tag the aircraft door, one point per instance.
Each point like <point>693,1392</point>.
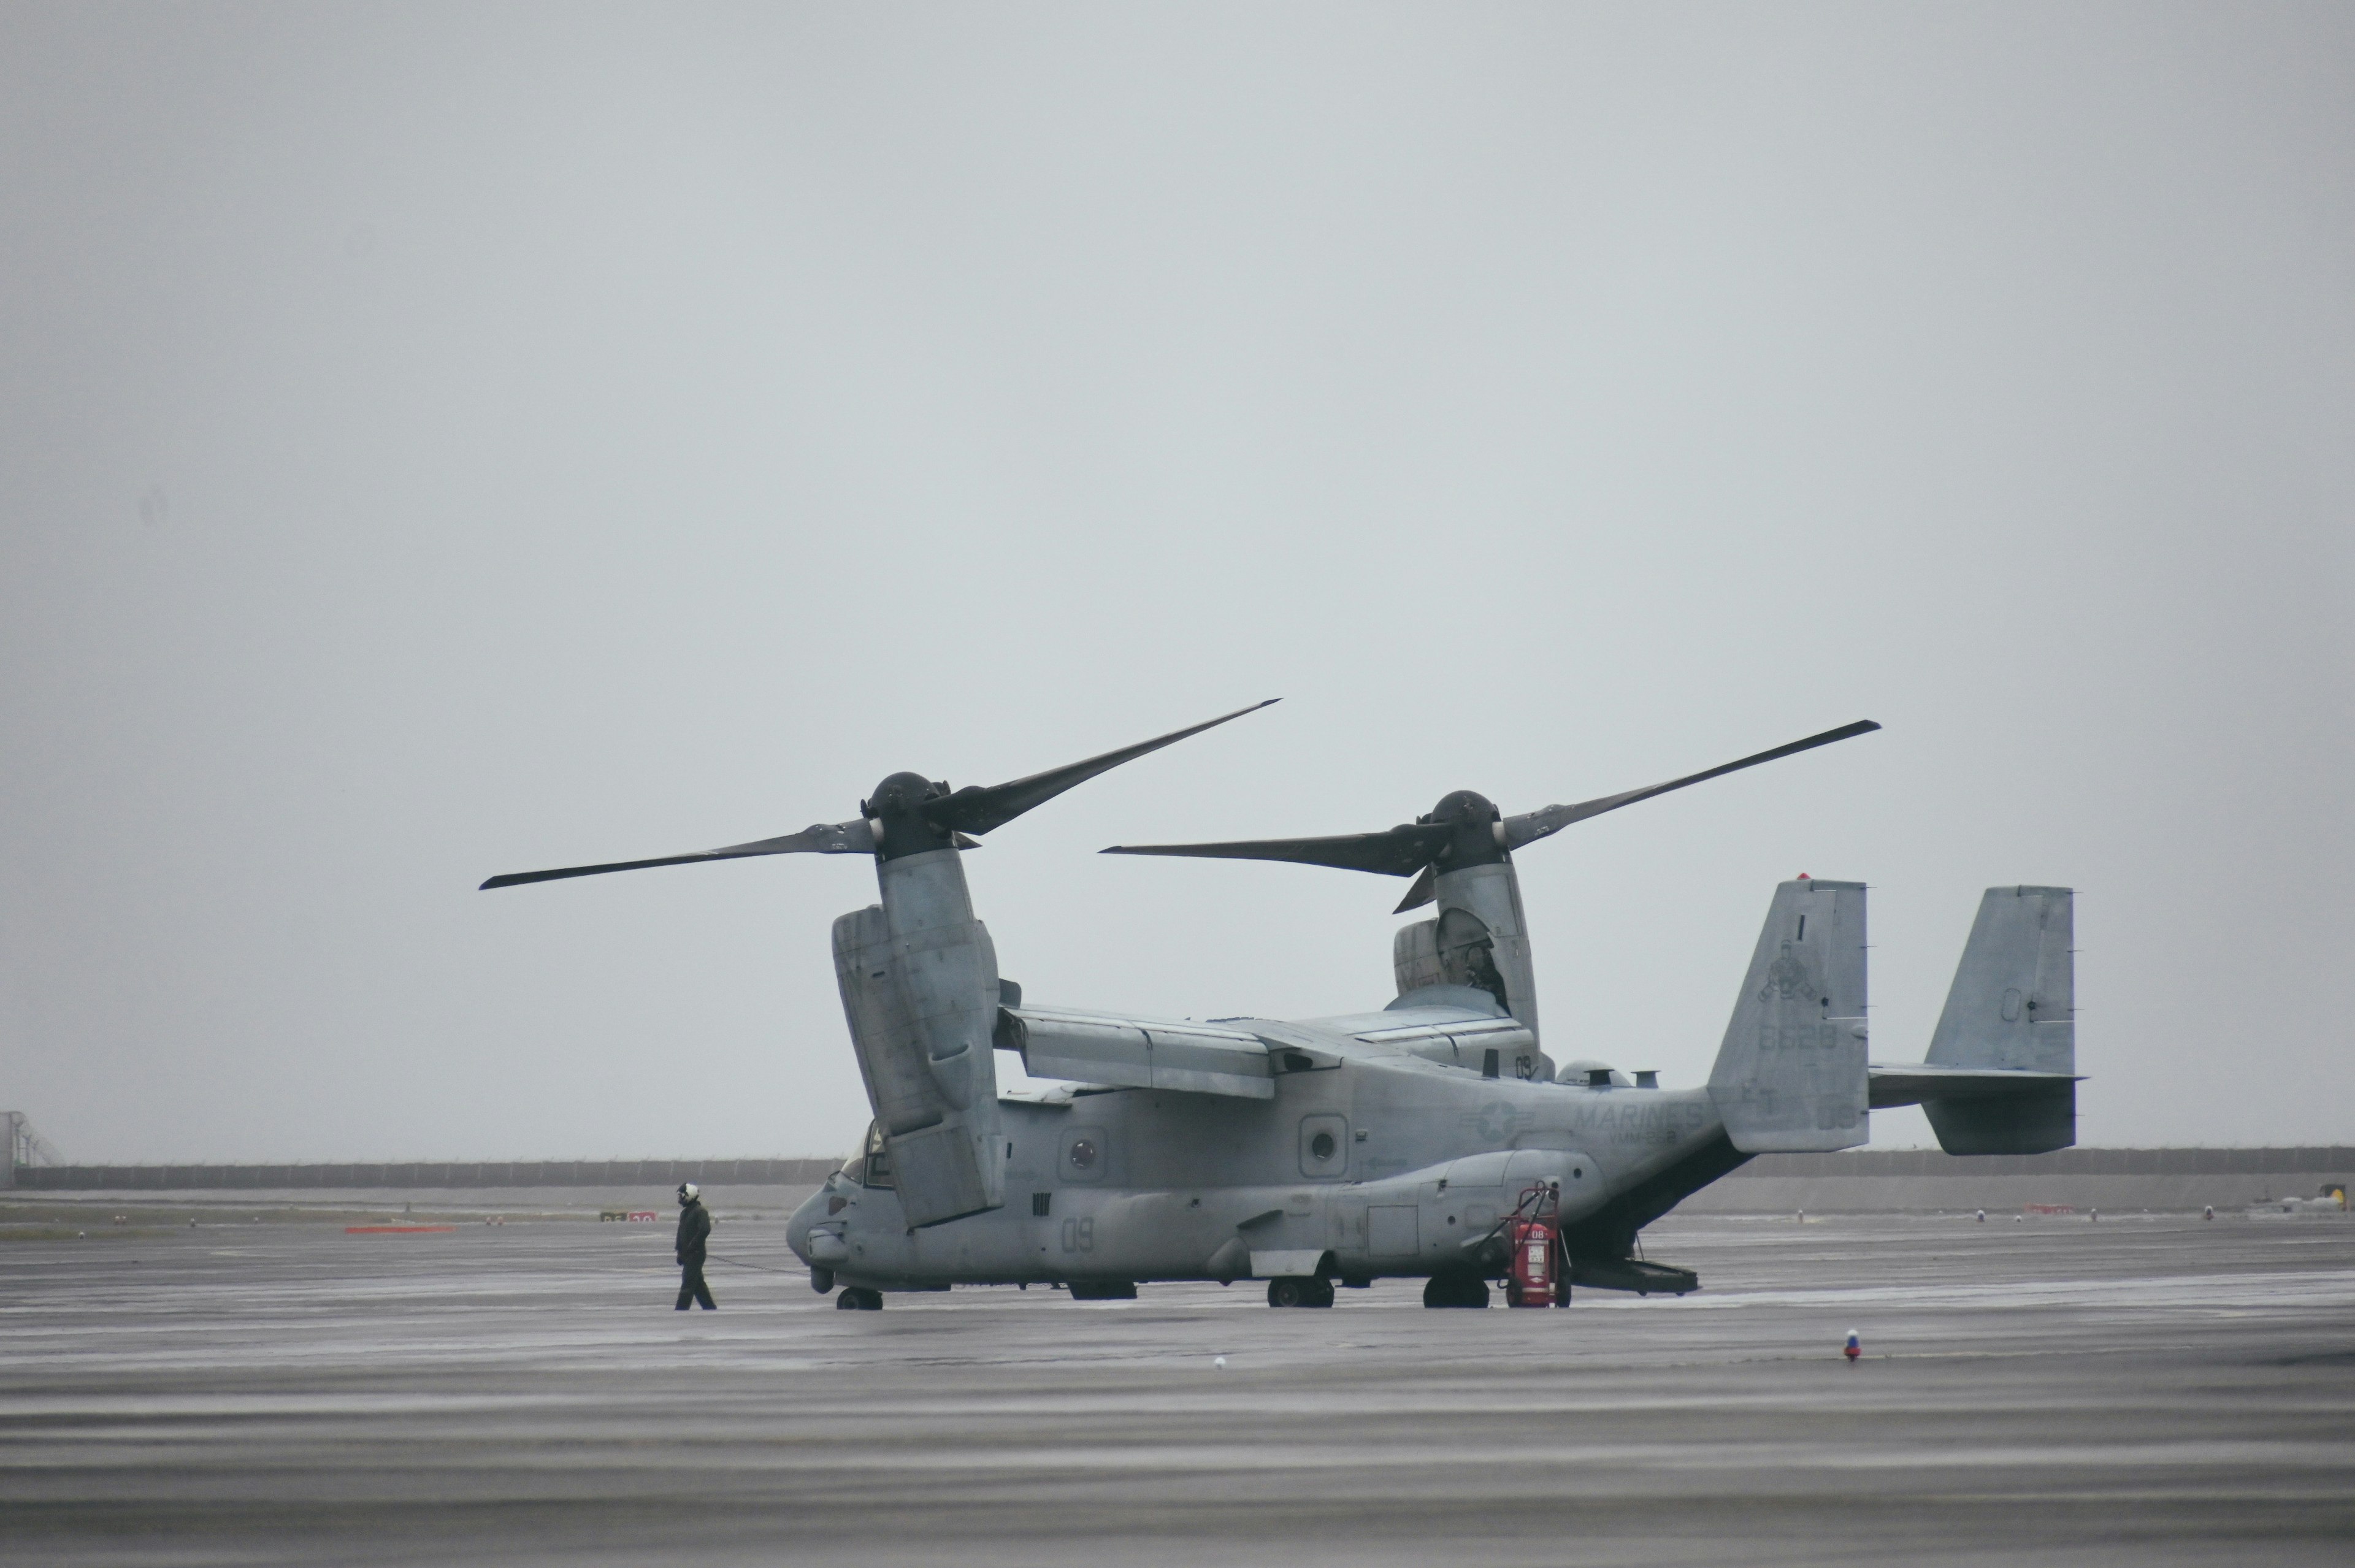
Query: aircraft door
<point>1390,1231</point>
<point>1325,1147</point>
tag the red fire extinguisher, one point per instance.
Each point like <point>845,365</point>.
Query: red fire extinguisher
<point>1536,1277</point>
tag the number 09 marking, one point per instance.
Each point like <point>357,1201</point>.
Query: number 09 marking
<point>1080,1235</point>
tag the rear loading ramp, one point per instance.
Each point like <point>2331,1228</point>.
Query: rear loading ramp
<point>1632,1274</point>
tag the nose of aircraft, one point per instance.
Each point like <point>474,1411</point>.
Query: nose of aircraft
<point>797,1228</point>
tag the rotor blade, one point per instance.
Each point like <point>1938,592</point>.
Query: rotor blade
<point>1425,889</point>
<point>852,837</point>
<point>1399,852</point>
<point>1532,826</point>
<point>978,808</point>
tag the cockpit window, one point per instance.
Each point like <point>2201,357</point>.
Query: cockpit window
<point>879,1159</point>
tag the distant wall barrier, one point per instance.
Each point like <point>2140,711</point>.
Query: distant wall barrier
<point>611,1173</point>
<point>2062,1162</point>
<point>667,1173</point>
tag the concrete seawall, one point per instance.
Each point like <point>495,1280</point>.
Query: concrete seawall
<point>1921,1181</point>
<point>1886,1180</point>
<point>2004,1194</point>
<point>614,1173</point>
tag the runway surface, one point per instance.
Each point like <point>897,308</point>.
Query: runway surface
<point>2060,1391</point>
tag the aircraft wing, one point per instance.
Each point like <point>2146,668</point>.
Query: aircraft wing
<point>1909,1083</point>
<point>1138,1053</point>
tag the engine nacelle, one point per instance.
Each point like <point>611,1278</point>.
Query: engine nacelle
<point>918,978</point>
<point>1476,940</point>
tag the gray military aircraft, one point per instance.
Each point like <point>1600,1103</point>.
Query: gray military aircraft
<point>1385,1144</point>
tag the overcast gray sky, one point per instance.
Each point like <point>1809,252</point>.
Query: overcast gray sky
<point>446,439</point>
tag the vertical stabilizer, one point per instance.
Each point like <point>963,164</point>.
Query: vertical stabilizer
<point>2014,1000</point>
<point>2013,1005</point>
<point>1792,1075</point>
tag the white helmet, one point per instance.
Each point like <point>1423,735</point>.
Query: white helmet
<point>689,1192</point>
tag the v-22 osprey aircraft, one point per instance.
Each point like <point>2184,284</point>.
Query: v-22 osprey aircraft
<point>1395,1143</point>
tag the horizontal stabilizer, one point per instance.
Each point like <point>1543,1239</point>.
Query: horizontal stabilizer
<point>1905,1083</point>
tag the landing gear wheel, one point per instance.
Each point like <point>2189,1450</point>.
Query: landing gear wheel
<point>1293,1290</point>
<point>1455,1290</point>
<point>859,1298</point>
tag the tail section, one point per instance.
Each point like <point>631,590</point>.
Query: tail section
<point>2013,1008</point>
<point>2014,1001</point>
<point>1791,1076</point>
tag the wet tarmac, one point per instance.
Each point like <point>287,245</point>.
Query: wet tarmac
<point>2060,1391</point>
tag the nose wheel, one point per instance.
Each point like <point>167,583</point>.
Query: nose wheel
<point>859,1298</point>
<point>1299,1291</point>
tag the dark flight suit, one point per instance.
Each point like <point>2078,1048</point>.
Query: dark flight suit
<point>694,1226</point>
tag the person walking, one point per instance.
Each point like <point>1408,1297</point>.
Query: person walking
<point>694,1227</point>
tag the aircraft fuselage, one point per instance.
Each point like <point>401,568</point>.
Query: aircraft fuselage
<point>1377,1165</point>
